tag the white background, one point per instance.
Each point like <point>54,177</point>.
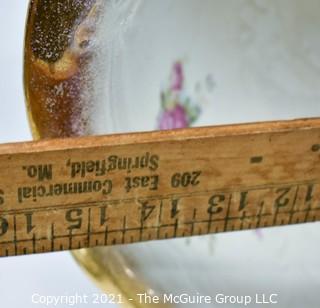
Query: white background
<point>58,274</point>
<point>47,274</point>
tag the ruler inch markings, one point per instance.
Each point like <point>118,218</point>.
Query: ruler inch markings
<point>157,185</point>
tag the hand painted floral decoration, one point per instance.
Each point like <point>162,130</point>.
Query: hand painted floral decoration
<point>177,109</point>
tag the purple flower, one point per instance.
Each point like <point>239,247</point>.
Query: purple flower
<point>259,233</point>
<point>177,77</point>
<point>173,118</point>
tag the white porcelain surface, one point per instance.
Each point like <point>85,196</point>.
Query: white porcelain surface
<point>262,62</point>
<point>243,60</point>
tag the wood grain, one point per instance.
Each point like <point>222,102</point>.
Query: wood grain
<point>62,194</point>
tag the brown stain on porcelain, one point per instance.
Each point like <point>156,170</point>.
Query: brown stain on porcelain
<point>56,64</point>
<point>57,57</point>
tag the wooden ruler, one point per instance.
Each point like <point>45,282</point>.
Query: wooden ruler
<point>104,190</point>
